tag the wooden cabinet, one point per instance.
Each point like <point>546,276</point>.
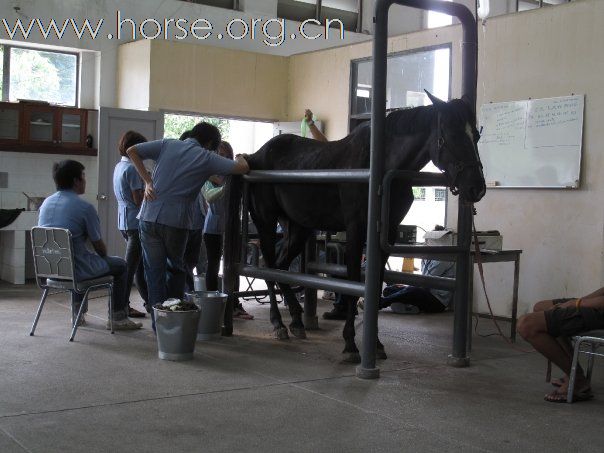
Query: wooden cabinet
<point>10,124</point>
<point>44,129</point>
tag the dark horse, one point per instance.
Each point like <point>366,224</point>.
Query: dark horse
<point>444,132</point>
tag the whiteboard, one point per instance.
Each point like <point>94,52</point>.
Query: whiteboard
<point>532,143</point>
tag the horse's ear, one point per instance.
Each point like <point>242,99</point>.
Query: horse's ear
<point>434,99</point>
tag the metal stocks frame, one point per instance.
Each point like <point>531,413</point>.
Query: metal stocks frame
<point>379,192</point>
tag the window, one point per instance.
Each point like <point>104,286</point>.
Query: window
<point>227,4</point>
<point>346,11</point>
<point>245,136</point>
<point>525,5</point>
<point>436,19</point>
<point>408,74</point>
<point>39,75</point>
<point>419,193</point>
<point>440,194</point>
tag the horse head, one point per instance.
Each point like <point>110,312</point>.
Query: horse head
<point>455,151</point>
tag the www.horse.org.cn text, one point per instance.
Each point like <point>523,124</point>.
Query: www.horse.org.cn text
<point>272,32</point>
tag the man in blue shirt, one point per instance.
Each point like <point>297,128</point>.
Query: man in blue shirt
<point>65,209</point>
<point>166,215</point>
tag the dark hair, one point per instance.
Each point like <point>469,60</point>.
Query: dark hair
<point>65,172</point>
<point>185,135</point>
<point>207,135</point>
<point>129,139</point>
<point>228,148</point>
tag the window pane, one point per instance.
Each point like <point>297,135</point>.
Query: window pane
<point>1,71</point>
<point>407,77</point>
<point>344,5</point>
<point>43,76</point>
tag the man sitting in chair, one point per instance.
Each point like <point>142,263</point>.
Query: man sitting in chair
<point>547,328</point>
<point>65,209</point>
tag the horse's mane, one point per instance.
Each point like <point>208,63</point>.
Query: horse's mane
<point>409,120</point>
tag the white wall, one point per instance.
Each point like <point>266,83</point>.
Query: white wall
<point>32,173</point>
<point>543,53</point>
<point>139,10</point>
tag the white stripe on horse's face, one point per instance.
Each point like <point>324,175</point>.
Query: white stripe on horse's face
<point>470,132</point>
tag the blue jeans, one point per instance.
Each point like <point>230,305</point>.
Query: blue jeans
<point>163,249</point>
<point>117,268</point>
<point>134,262</point>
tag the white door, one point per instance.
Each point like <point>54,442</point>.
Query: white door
<point>112,124</point>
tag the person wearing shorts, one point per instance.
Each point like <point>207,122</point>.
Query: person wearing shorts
<point>547,329</point>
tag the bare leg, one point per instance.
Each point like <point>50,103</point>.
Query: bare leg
<point>532,327</point>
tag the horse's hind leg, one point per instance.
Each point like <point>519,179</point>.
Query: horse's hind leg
<point>267,236</point>
<point>354,248</point>
<point>295,238</point>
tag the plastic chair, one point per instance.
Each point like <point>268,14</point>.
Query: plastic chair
<point>54,267</point>
<point>593,340</point>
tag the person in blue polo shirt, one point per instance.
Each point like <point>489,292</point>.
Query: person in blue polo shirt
<point>128,188</point>
<point>65,209</point>
<point>166,215</point>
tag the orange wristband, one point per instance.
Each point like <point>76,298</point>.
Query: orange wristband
<point>578,304</point>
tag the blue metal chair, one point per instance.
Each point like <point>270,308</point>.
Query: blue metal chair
<point>586,343</point>
<point>54,267</point>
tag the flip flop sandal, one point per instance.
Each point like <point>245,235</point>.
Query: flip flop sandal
<point>557,397</point>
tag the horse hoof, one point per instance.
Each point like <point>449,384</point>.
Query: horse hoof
<point>351,357</point>
<point>381,354</point>
<point>298,332</point>
<point>281,333</point>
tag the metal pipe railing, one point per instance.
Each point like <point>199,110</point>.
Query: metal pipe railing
<point>426,281</point>
<point>374,177</point>
<point>368,368</point>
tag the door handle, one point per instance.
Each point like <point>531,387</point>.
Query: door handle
<point>101,196</point>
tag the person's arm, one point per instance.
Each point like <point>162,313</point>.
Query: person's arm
<point>93,230</point>
<point>216,179</point>
<point>142,171</point>
<point>587,302</point>
<point>314,130</point>
<point>241,165</point>
<point>99,247</point>
<point>138,196</point>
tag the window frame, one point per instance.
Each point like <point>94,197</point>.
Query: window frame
<point>6,70</point>
<point>354,119</point>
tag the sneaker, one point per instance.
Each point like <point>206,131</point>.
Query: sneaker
<point>239,312</point>
<point>134,313</point>
<point>404,309</point>
<point>329,295</point>
<point>124,324</point>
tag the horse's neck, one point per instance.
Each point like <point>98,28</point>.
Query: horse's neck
<point>410,152</point>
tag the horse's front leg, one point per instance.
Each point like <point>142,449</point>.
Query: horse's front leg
<point>354,249</point>
<point>279,329</point>
<point>296,327</point>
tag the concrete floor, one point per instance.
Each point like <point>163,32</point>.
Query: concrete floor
<point>252,393</point>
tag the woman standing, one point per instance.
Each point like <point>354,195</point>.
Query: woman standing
<point>129,189</point>
<point>182,167</point>
<point>213,229</point>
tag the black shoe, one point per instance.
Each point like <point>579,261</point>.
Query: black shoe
<point>335,314</point>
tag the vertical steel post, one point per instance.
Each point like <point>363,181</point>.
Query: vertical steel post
<point>232,252</point>
<point>368,369</point>
<point>373,281</point>
<point>311,321</point>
